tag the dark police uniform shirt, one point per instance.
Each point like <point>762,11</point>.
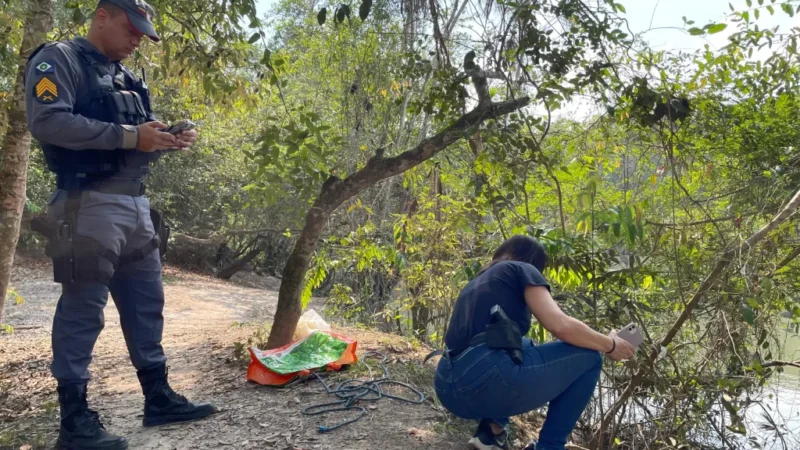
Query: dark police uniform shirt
<point>55,82</point>
<point>502,284</point>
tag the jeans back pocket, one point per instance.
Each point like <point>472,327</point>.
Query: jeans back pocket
<point>489,396</point>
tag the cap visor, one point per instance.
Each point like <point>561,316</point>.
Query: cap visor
<point>143,26</point>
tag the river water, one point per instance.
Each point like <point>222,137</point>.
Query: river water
<point>781,401</point>
<point>772,422</point>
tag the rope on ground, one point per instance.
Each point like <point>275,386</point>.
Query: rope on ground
<point>352,392</point>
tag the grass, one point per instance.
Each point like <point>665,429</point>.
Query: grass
<point>258,339</point>
<point>13,439</point>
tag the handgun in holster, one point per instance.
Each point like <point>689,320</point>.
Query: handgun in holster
<point>504,333</point>
<point>59,245</point>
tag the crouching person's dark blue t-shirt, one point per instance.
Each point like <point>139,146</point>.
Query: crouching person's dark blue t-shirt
<point>501,284</point>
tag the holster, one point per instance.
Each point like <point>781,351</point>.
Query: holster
<point>162,230</point>
<point>59,246</point>
<point>503,333</point>
<point>75,258</point>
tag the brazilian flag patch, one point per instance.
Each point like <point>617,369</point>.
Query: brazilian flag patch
<point>46,90</point>
<point>46,67</point>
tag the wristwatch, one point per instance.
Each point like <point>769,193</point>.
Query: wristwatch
<point>130,137</point>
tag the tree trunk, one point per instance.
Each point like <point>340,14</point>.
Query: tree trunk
<point>420,315</point>
<point>227,272</point>
<point>335,191</point>
<point>287,313</point>
<point>17,146</point>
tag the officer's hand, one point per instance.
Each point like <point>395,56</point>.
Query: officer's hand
<point>623,349</point>
<point>151,139</point>
<point>186,139</point>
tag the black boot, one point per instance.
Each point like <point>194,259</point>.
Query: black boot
<point>80,426</point>
<point>162,405</point>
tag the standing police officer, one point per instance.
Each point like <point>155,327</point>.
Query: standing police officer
<point>99,135</point>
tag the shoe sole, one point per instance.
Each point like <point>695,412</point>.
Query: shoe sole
<point>174,419</point>
<point>67,446</point>
<point>476,444</point>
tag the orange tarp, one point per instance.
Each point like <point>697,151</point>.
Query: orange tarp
<point>261,374</point>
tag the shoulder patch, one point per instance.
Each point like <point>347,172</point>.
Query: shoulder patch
<point>46,67</point>
<point>46,90</point>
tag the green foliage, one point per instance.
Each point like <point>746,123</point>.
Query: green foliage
<point>14,297</point>
<point>314,279</point>
<point>695,153</point>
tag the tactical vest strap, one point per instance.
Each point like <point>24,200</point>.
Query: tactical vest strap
<point>141,253</point>
<point>114,95</point>
<point>139,103</point>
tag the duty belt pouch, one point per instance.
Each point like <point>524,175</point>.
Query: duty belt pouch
<point>503,333</point>
<point>162,230</point>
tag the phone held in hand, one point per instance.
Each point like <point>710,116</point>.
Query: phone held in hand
<point>179,126</point>
<point>632,335</point>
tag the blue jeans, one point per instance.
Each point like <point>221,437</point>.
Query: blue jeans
<point>481,383</point>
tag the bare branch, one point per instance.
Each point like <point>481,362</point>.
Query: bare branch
<point>781,364</point>
<point>709,282</point>
<point>198,241</point>
<point>256,231</point>
<point>789,258</point>
<point>700,222</point>
<point>379,168</point>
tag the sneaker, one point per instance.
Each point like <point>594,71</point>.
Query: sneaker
<point>485,439</point>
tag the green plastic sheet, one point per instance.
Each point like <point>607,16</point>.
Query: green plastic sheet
<point>313,352</point>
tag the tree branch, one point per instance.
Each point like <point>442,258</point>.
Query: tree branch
<point>789,258</point>
<point>700,222</point>
<point>255,231</point>
<point>379,168</point>
<point>781,364</point>
<point>479,80</point>
<point>216,240</point>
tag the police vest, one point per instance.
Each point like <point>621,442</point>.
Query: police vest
<point>116,96</point>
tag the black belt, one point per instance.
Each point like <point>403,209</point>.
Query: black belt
<point>478,339</point>
<point>134,188</point>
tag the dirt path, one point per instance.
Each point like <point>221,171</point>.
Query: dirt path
<point>204,318</point>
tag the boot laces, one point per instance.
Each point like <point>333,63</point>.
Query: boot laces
<point>174,396</point>
<point>90,419</point>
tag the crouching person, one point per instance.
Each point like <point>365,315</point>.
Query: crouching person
<point>490,373</point>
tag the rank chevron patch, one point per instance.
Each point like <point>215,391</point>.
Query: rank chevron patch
<point>46,91</point>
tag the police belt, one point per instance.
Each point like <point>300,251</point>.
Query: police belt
<point>83,182</point>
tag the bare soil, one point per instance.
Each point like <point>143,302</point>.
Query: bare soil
<point>205,318</point>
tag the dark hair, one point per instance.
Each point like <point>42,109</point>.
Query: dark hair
<point>521,248</point>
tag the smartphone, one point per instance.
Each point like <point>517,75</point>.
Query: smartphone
<point>181,125</point>
<point>632,334</point>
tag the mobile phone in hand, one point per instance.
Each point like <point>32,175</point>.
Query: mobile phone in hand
<point>179,126</point>
<point>632,334</point>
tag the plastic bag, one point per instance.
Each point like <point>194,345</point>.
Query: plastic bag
<point>309,322</point>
